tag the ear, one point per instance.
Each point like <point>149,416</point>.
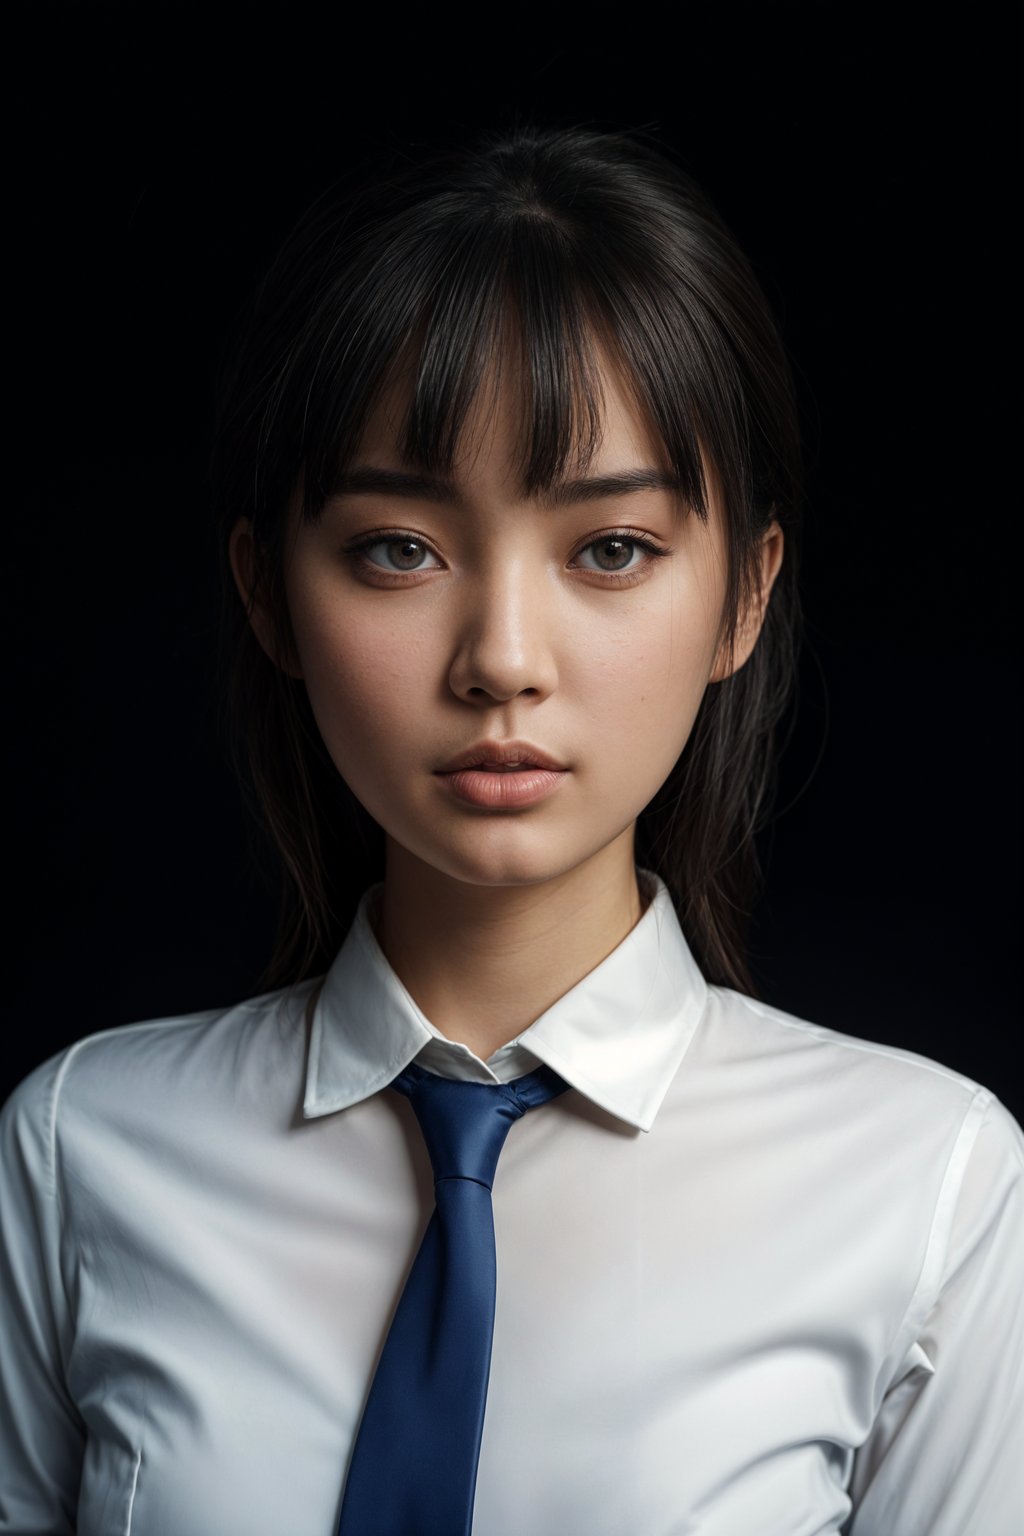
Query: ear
<point>242,554</point>
<point>752,619</point>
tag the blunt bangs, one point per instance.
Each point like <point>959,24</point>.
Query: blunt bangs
<point>518,278</point>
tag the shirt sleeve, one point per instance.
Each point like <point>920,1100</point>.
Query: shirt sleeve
<point>42,1435</point>
<point>945,1456</point>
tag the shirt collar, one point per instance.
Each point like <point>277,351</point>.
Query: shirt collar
<point>618,1036</point>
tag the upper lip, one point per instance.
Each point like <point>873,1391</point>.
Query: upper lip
<point>498,754</point>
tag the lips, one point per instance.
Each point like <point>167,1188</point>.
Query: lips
<point>503,757</point>
<point>502,789</point>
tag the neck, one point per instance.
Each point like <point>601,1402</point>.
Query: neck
<point>484,961</point>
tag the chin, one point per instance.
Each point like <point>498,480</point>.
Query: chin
<point>507,856</point>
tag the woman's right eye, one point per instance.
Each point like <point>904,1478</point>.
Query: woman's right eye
<point>406,553</point>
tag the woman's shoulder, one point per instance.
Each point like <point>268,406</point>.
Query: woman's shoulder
<point>154,1060</point>
<point>847,1074</point>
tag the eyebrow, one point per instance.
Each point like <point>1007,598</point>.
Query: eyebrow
<point>366,480</point>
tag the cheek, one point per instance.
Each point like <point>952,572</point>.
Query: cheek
<point>365,679</point>
<point>643,682</point>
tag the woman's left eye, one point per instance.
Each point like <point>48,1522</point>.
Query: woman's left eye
<point>618,548</point>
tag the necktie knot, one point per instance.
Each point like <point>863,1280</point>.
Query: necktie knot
<point>465,1124</point>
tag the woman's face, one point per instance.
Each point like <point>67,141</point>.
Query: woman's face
<point>480,614</point>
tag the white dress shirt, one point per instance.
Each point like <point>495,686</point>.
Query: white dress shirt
<point>755,1277</point>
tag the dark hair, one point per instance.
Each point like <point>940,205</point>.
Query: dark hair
<point>545,240</point>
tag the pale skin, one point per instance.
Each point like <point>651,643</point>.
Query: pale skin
<point>506,621</point>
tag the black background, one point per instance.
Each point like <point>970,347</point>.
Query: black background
<point>864,158</point>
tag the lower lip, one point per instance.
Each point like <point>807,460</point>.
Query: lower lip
<point>503,791</point>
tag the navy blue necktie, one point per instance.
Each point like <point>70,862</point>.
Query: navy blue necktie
<point>413,1466</point>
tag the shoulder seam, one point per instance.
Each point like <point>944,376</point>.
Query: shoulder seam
<point>945,1205</point>
<point>872,1047</point>
<point>68,1055</point>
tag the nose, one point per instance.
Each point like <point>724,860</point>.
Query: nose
<point>503,627</point>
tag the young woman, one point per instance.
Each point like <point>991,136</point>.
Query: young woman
<point>508,478</point>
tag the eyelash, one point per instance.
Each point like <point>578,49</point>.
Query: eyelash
<point>356,553</point>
